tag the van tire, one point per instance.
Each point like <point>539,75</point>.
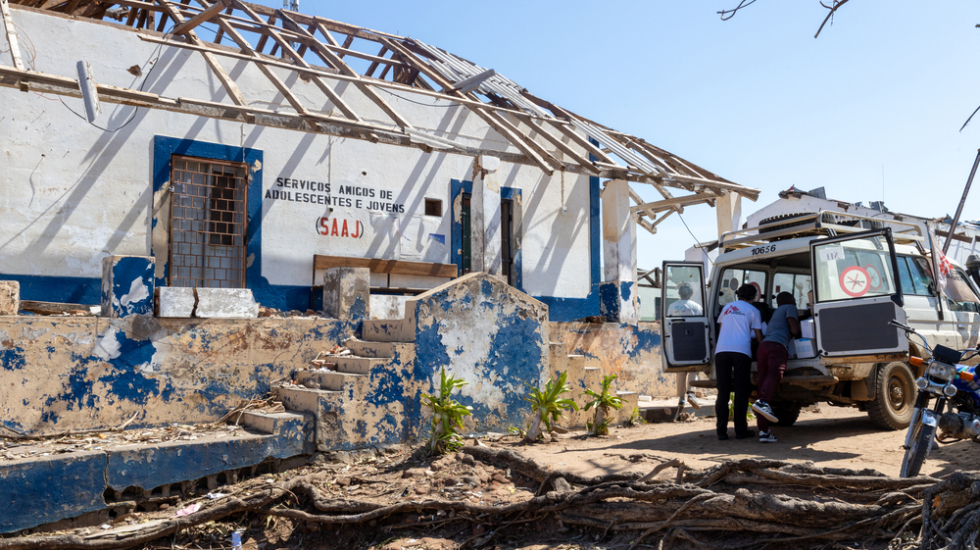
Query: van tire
<point>787,413</point>
<point>894,399</point>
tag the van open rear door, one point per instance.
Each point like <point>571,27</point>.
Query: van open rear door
<point>683,321</point>
<point>856,294</point>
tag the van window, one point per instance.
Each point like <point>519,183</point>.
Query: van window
<point>732,278</point>
<point>682,291</point>
<point>915,279</point>
<point>857,268</point>
<point>797,284</point>
<point>959,294</point>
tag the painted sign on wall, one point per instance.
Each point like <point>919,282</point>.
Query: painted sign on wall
<point>333,227</point>
<point>347,196</point>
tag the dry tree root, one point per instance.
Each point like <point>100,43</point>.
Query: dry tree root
<point>770,502</point>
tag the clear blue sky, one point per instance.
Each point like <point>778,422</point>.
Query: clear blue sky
<point>755,99</point>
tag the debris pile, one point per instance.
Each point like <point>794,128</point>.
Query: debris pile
<point>485,495</point>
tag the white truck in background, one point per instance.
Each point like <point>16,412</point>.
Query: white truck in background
<point>862,275</point>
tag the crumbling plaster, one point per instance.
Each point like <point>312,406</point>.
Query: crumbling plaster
<point>632,352</point>
<point>59,374</point>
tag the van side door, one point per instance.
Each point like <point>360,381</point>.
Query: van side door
<point>684,322</point>
<point>856,295</point>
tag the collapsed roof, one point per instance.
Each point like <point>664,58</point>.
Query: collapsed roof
<point>315,48</point>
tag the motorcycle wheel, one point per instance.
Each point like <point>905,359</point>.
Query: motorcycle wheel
<point>915,455</point>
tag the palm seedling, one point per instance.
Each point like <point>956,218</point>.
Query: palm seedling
<point>447,416</point>
<point>547,406</point>
<point>602,403</point>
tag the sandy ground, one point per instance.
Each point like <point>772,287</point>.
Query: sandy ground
<point>832,437</point>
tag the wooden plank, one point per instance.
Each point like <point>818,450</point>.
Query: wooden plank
<point>391,267</point>
<point>8,25</point>
<point>53,308</point>
<point>373,66</point>
<point>229,84</point>
<point>264,38</point>
<point>542,130</point>
<point>324,87</point>
<point>202,17</point>
<point>335,61</point>
<point>490,117</point>
<point>668,204</point>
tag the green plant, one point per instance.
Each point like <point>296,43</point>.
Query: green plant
<point>731,409</point>
<point>547,405</point>
<point>634,419</point>
<point>447,416</point>
<point>602,402</point>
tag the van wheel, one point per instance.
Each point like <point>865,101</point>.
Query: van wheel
<point>894,397</point>
<point>787,413</point>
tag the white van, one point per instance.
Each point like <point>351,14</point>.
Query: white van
<point>862,275</point>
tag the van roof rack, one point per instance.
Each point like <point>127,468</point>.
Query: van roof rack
<point>814,224</point>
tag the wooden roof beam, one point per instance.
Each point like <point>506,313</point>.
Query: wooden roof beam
<point>202,17</point>
<point>324,87</point>
<point>226,81</point>
<point>651,208</point>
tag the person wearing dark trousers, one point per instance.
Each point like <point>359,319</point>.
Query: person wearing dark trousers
<point>771,360</point>
<point>738,322</point>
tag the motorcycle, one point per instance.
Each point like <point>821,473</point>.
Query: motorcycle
<point>950,382</point>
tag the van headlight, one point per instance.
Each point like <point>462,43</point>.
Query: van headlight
<point>941,371</point>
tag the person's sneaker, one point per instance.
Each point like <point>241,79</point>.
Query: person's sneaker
<point>746,435</point>
<point>767,437</point>
<point>693,400</point>
<point>765,410</point>
<point>722,437</point>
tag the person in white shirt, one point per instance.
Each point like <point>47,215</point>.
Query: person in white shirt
<point>685,307</point>
<point>738,323</point>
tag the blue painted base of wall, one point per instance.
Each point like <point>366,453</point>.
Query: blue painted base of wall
<point>45,490</point>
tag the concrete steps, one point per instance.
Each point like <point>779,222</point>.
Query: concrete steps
<point>376,330</point>
<point>333,380</point>
<point>358,365</point>
<point>379,350</point>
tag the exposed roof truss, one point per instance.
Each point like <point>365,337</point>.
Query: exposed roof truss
<point>323,52</point>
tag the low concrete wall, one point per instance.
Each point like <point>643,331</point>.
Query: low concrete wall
<point>491,335</point>
<point>63,373</point>
<point>632,352</point>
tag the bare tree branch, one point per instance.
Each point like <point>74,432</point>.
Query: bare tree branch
<point>728,14</point>
<point>832,8</point>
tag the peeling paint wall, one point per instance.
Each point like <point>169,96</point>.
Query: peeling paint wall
<point>632,352</point>
<point>489,334</point>
<point>71,194</point>
<point>59,374</point>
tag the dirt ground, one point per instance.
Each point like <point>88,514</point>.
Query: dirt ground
<point>831,437</point>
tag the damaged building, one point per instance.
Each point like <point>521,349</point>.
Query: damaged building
<point>170,170</point>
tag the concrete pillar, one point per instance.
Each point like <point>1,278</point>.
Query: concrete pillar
<point>618,296</point>
<point>347,293</point>
<point>728,207</point>
<point>9,297</point>
<point>127,285</point>
<point>485,218</point>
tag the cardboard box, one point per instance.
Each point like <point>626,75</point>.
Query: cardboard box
<point>806,328</point>
<point>805,348</point>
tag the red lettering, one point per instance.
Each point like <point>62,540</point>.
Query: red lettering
<point>333,232</point>
<point>323,225</point>
<point>343,232</point>
<point>357,230</point>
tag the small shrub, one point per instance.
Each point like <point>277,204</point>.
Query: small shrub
<point>635,419</point>
<point>547,406</point>
<point>447,416</point>
<point>602,403</point>
<point>731,409</point>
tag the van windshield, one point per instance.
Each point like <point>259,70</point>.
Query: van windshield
<point>857,268</point>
